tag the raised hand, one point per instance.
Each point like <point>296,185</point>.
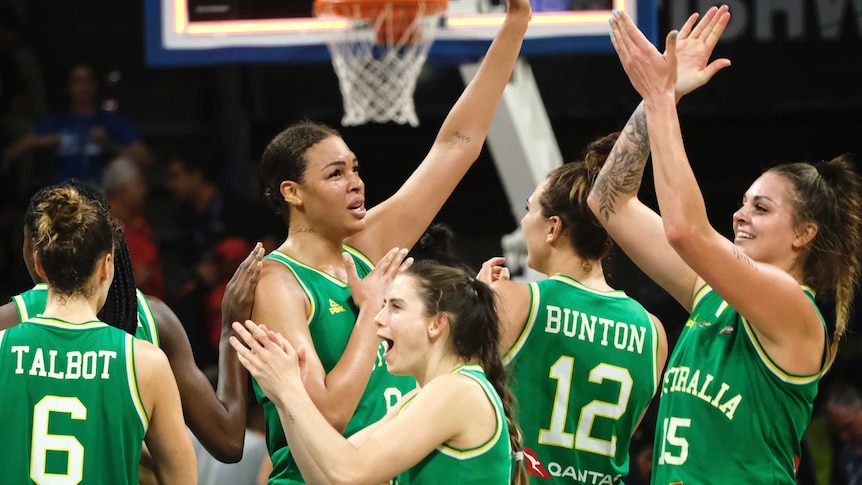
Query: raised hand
<point>694,45</point>
<point>373,287</point>
<point>493,270</point>
<point>652,73</point>
<point>238,297</point>
<point>519,7</point>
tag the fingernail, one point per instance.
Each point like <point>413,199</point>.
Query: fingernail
<point>611,20</point>
<point>616,13</point>
<point>674,34</point>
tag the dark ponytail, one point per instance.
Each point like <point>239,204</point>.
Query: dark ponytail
<point>471,306</point>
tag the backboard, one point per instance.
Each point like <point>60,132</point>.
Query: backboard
<point>200,32</point>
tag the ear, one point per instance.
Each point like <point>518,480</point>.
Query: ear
<point>106,268</point>
<point>438,325</point>
<point>805,233</point>
<point>554,229</point>
<point>37,265</point>
<point>290,192</point>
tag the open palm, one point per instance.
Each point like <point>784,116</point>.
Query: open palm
<point>694,45</point>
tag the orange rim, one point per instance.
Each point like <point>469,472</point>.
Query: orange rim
<point>366,9</point>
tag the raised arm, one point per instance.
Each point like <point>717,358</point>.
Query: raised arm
<point>444,409</point>
<point>166,438</point>
<point>636,228</point>
<point>513,301</point>
<point>769,297</point>
<point>216,417</point>
<point>218,420</point>
<point>401,219</point>
<point>282,306</point>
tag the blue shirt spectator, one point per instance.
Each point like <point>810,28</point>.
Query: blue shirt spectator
<point>84,138</point>
<point>83,150</point>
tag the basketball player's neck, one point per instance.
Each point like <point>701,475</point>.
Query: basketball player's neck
<point>70,308</point>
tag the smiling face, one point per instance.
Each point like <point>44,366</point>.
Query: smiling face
<point>402,323</point>
<point>332,193</point>
<point>763,226</point>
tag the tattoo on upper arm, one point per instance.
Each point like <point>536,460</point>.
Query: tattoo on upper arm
<point>462,137</point>
<point>624,168</point>
<point>740,255</point>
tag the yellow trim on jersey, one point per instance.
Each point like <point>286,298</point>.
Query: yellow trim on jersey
<point>784,376</point>
<point>21,307</point>
<point>321,273</point>
<point>151,320</point>
<point>308,295</point>
<point>479,450</point>
<point>56,322</point>
<point>358,254</point>
<point>132,378</point>
<point>655,370</point>
<point>528,327</point>
<point>698,295</point>
<point>578,284</point>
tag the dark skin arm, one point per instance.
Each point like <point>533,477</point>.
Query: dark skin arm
<point>8,316</point>
<point>216,417</point>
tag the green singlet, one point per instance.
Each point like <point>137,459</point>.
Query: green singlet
<point>728,413</point>
<point>330,323</point>
<point>488,464</point>
<point>32,303</point>
<point>72,413</point>
<point>583,371</point>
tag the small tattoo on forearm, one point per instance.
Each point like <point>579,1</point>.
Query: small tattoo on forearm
<point>462,137</point>
<point>740,255</point>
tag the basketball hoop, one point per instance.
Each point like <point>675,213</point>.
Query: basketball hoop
<point>379,55</point>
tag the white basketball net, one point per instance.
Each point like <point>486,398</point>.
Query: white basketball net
<point>377,81</point>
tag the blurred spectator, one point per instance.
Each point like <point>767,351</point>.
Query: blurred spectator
<point>844,417</point>
<point>126,191</point>
<point>22,100</point>
<point>206,216</point>
<point>85,137</point>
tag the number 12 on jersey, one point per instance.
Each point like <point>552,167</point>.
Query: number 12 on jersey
<point>555,435</point>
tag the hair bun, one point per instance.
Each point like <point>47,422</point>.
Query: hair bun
<point>597,153</point>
